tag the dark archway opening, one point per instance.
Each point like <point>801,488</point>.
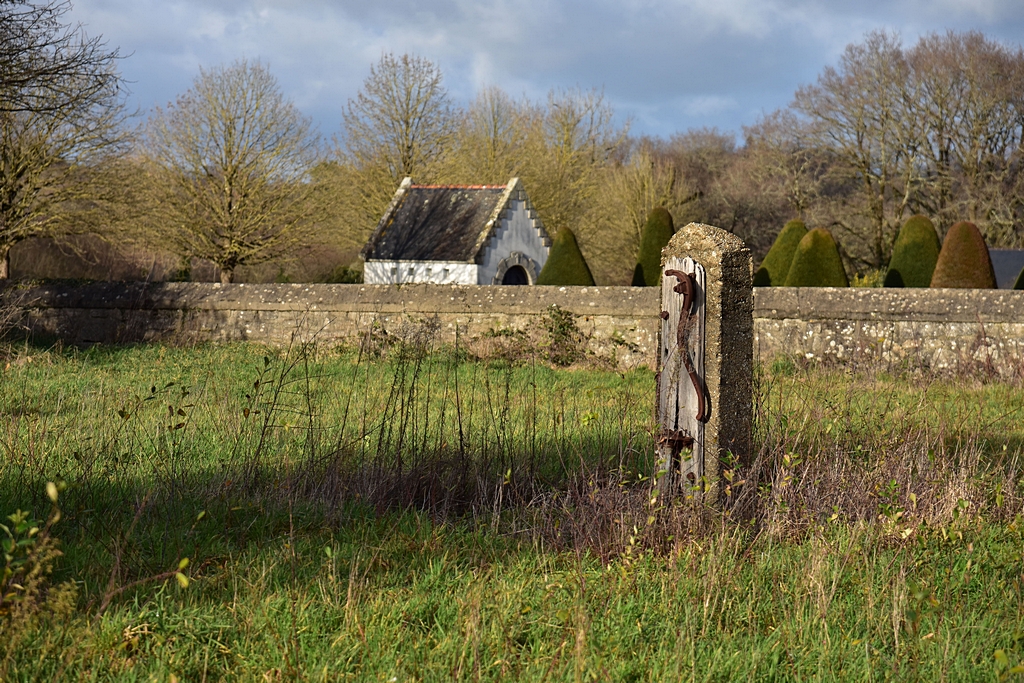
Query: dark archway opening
<point>516,275</point>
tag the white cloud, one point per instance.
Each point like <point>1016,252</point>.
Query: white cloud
<point>708,105</point>
<point>670,64</point>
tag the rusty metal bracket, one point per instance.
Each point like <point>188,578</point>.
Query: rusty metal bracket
<point>678,440</point>
<point>687,286</point>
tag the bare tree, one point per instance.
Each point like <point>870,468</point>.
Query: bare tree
<point>47,65</point>
<point>491,143</point>
<point>229,164</point>
<point>971,101</point>
<point>786,163</point>
<point>55,174</point>
<point>401,123</point>
<point>645,183</point>
<point>61,125</point>
<point>729,192</point>
<point>629,189</point>
<point>936,129</point>
<point>858,112</point>
<point>576,139</point>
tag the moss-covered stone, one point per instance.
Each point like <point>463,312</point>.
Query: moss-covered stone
<point>964,262</point>
<point>914,255</point>
<point>775,267</point>
<point>816,262</point>
<point>658,230</point>
<point>565,264</point>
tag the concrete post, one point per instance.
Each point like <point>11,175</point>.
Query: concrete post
<point>705,359</point>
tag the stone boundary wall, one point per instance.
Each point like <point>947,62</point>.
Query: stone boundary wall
<point>619,323</point>
<point>940,329</point>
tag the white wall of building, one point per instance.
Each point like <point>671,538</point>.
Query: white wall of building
<point>435,272</point>
<point>516,232</point>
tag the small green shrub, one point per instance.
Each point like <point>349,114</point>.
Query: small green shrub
<point>783,366</point>
<point>775,267</point>
<point>816,262</point>
<point>964,262</point>
<point>565,264</point>
<point>28,601</point>
<point>657,232</point>
<point>914,255</point>
<point>568,343</point>
<point>871,278</point>
<point>345,275</point>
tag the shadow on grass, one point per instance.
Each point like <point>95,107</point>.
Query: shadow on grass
<point>172,453</point>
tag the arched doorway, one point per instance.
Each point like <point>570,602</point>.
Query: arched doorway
<point>517,269</point>
<point>516,275</point>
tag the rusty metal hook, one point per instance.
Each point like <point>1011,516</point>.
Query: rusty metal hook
<point>687,286</point>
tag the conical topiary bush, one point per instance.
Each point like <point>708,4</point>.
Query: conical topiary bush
<point>1019,284</point>
<point>816,262</point>
<point>775,267</point>
<point>914,255</point>
<point>565,264</point>
<point>658,230</point>
<point>964,262</point>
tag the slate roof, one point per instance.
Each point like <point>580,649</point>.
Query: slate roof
<point>1007,264</point>
<point>439,222</point>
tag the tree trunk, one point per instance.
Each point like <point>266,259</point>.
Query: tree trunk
<point>227,276</point>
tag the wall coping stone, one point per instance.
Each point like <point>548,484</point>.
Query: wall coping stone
<point>409,298</point>
<point>775,303</point>
<point>885,304</point>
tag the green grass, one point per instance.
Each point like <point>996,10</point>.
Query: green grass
<point>403,597</point>
<point>421,515</point>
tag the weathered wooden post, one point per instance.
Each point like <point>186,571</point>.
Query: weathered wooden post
<point>705,358</point>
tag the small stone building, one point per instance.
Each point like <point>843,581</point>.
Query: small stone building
<point>457,234</point>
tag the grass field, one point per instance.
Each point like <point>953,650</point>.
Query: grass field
<point>417,514</point>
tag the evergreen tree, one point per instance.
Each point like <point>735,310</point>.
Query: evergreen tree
<point>816,262</point>
<point>775,267</point>
<point>914,255</point>
<point>964,262</point>
<point>657,232</point>
<point>565,264</point>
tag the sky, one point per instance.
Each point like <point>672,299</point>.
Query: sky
<point>665,66</point>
